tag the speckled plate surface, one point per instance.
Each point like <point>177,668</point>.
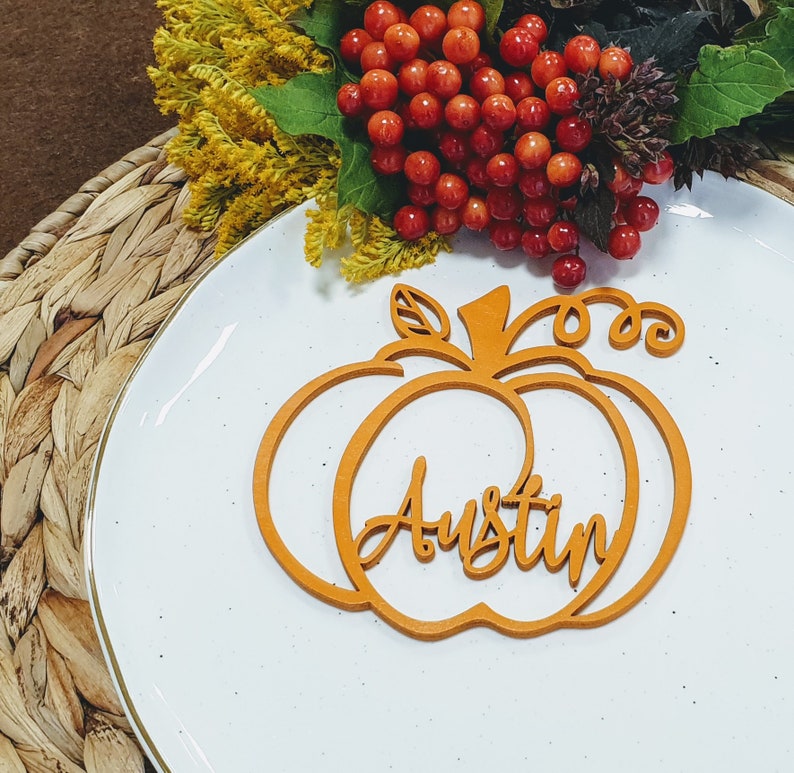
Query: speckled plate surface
<point>226,664</point>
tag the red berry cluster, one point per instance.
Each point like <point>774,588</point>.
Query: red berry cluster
<point>487,140</point>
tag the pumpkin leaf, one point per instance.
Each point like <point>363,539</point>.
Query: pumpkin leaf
<point>409,313</point>
<point>306,104</point>
<point>728,85</point>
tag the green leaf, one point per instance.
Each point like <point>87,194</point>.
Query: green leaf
<point>755,31</point>
<point>779,42</point>
<point>493,10</point>
<point>593,214</point>
<point>720,13</point>
<point>326,21</point>
<point>728,85</point>
<point>306,104</point>
<point>673,43</point>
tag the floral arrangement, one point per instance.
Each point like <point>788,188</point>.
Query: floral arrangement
<point>258,87</point>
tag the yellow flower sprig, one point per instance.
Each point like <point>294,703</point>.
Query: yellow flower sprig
<point>243,169</point>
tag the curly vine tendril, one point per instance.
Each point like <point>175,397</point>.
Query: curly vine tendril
<point>663,337</point>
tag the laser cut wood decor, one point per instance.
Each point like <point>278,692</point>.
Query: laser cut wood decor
<point>484,541</point>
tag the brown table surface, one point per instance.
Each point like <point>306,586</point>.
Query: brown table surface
<point>74,98</point>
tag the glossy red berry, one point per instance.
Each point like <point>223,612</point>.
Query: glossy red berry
<point>563,236</point>
<point>532,150</point>
<point>629,190</point>
<point>443,79</point>
<point>582,54</point>
<point>547,66</point>
<point>659,172</point>
<point>412,77</point>
<point>388,160</point>
<point>535,25</point>
<point>451,190</point>
<point>505,234</point>
<point>535,243</point>
<point>460,45</point>
<point>411,222</point>
<point>454,146</point>
<point>421,195</point>
<point>541,212</point>
<point>518,86</point>
<point>426,110</point>
<point>532,114</point>
<point>486,141</point>
<point>561,94</point>
<point>445,221</point>
<point>378,89</point>
<point>349,100</point>
<point>642,212</point>
<point>563,169</point>
<point>477,172</point>
<point>502,170</point>
<point>573,133</point>
<point>430,22</point>
<point>385,129</point>
<point>352,44</point>
<point>499,112</point>
<point>504,203</point>
<point>621,180</point>
<point>474,214</point>
<point>568,271</point>
<point>402,42</point>
<point>376,57</point>
<point>486,81</point>
<point>466,13</point>
<point>623,242</point>
<point>379,16</point>
<point>518,47</point>
<point>422,167</point>
<point>462,112</point>
<point>533,183</point>
<point>616,62</point>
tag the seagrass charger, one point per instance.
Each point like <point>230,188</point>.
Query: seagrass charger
<point>79,299</point>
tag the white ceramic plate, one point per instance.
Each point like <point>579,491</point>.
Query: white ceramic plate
<point>226,664</point>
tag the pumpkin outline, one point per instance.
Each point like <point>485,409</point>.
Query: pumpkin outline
<point>491,359</point>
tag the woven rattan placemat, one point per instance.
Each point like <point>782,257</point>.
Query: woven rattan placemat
<point>79,298</point>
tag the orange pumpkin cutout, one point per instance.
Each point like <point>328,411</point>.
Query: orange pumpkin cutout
<point>484,546</point>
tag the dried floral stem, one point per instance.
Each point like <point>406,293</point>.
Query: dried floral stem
<point>632,116</point>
